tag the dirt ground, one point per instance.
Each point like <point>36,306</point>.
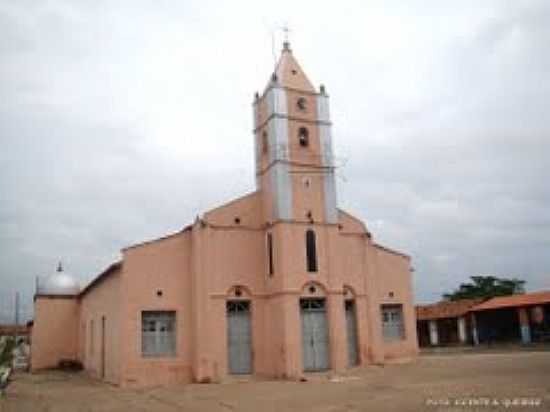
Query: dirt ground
<point>449,382</point>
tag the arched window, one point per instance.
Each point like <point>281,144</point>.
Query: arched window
<point>302,104</point>
<point>311,251</point>
<point>303,137</point>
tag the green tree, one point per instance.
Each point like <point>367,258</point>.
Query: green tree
<point>486,287</point>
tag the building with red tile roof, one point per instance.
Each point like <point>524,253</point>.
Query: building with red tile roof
<point>522,317</point>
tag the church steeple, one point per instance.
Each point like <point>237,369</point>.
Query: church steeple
<point>294,166</point>
<point>288,72</point>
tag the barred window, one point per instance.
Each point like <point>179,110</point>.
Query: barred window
<point>158,333</point>
<point>392,322</point>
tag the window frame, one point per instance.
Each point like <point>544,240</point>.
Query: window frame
<point>393,330</point>
<point>170,337</point>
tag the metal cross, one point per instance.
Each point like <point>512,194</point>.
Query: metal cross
<point>286,30</point>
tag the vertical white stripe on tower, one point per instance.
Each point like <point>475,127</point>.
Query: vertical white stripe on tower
<point>257,144</point>
<point>325,136</point>
<point>278,150</point>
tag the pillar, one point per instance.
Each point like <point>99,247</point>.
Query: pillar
<point>202,362</point>
<point>461,324</point>
<point>475,336</point>
<point>524,328</point>
<point>374,315</point>
<point>292,337</point>
<point>434,336</point>
<point>337,332</point>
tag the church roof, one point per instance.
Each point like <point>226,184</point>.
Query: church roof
<point>289,73</point>
<point>107,272</point>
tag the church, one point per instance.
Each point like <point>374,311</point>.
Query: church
<point>276,284</point>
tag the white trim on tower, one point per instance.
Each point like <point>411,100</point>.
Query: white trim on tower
<point>329,180</point>
<point>278,150</point>
<point>257,144</point>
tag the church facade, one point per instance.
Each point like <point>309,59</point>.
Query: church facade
<point>277,283</point>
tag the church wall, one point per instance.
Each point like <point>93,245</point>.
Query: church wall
<point>247,208</point>
<point>350,224</point>
<point>312,152</point>
<point>393,277</point>
<point>235,257</point>
<point>159,266</point>
<point>54,334</point>
<point>310,113</point>
<point>103,301</point>
<point>307,194</point>
<point>350,258</point>
<point>291,270</point>
<point>341,262</point>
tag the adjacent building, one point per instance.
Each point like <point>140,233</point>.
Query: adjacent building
<point>517,318</point>
<point>276,283</point>
<point>445,323</point>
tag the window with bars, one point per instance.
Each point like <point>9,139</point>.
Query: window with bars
<point>393,327</point>
<point>158,333</point>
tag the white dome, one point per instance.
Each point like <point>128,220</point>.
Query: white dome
<point>60,283</point>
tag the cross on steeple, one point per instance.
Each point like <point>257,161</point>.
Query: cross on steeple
<point>286,31</point>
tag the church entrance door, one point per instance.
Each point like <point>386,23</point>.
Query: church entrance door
<point>314,334</point>
<point>239,339</point>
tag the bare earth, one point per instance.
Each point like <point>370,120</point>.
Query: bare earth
<point>450,382</point>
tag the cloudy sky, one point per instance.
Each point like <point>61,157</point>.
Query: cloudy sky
<point>121,121</point>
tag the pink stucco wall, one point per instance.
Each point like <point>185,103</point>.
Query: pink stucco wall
<point>55,331</point>
<point>100,340</point>
<point>162,266</point>
<point>395,286</point>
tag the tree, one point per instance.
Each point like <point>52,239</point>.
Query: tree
<point>486,287</point>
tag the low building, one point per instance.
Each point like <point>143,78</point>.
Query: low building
<point>276,283</point>
<point>445,323</point>
<point>524,317</point>
<point>517,318</point>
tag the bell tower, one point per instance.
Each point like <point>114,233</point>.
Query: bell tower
<point>293,147</point>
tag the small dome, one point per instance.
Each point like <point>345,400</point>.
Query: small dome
<point>60,283</point>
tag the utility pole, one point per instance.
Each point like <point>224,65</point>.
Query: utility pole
<point>16,315</point>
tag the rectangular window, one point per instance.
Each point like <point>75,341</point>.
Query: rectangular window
<point>392,322</point>
<point>270,253</point>
<point>158,333</point>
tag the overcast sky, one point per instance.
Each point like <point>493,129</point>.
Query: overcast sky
<point>121,121</point>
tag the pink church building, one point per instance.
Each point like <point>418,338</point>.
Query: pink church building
<point>277,283</point>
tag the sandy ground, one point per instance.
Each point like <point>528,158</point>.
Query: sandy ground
<point>451,382</point>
